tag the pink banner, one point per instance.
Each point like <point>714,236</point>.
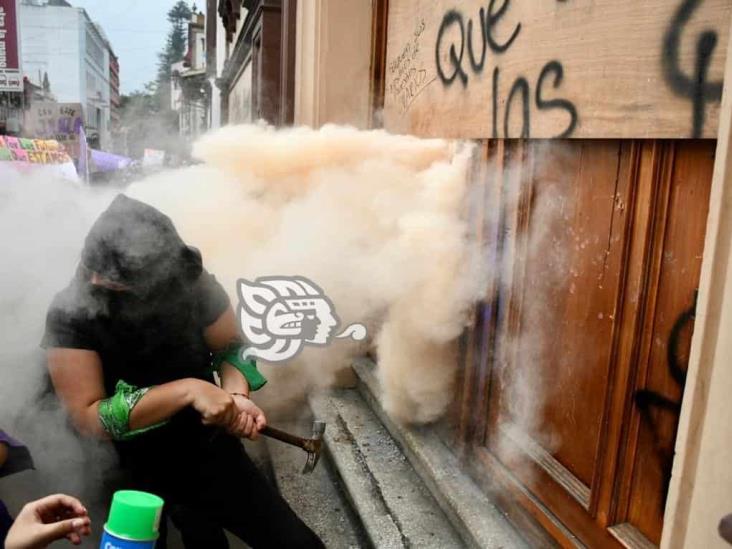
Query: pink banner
<point>34,151</point>
<point>20,155</point>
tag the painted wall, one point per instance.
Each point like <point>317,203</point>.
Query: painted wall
<point>220,60</point>
<point>53,42</point>
<point>712,494</point>
<point>240,97</point>
<point>176,91</point>
<point>96,85</point>
<point>701,485</point>
<point>332,68</point>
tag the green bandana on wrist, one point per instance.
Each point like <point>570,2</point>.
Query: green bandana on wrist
<point>248,368</point>
<point>114,412</point>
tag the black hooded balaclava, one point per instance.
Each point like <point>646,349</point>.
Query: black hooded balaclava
<point>151,333</point>
<point>134,244</point>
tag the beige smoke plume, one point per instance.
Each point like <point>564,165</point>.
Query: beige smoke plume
<point>375,219</point>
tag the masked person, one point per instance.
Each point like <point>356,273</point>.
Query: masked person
<point>130,343</point>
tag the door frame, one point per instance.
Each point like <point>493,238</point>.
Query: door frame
<point>699,494</point>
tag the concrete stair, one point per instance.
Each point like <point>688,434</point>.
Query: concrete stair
<point>471,512</point>
<point>383,485</point>
<point>317,498</point>
<point>394,506</point>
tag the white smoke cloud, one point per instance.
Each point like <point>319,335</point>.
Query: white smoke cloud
<point>376,220</point>
<point>43,222</point>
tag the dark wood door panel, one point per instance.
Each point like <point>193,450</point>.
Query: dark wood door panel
<point>581,283</point>
<point>564,295</point>
<point>598,249</point>
<point>674,269</point>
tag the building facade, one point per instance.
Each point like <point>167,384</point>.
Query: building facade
<point>114,98</point>
<point>12,86</point>
<point>190,88</point>
<point>621,354</point>
<point>215,60</point>
<point>62,42</point>
<point>257,79</point>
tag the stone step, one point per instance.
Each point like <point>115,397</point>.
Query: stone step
<point>472,513</point>
<point>394,506</point>
<point>316,497</point>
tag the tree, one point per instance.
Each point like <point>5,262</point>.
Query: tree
<point>175,48</point>
<point>145,122</point>
<point>146,117</point>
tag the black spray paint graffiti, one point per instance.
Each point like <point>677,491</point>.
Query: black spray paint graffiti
<point>463,37</point>
<point>695,87</point>
<point>646,400</point>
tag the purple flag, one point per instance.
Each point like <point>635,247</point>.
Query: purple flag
<point>108,162</point>
<point>83,164</point>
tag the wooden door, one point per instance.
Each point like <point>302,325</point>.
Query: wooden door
<point>574,369</point>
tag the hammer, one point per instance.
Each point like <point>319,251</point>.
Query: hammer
<point>311,445</point>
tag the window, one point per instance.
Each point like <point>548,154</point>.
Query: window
<point>91,84</point>
<point>93,50</point>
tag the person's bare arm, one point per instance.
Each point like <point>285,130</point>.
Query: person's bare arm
<point>219,335</point>
<point>77,378</point>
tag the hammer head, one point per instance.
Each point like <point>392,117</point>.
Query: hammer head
<point>313,447</point>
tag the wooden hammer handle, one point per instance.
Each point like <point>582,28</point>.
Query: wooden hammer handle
<point>282,436</point>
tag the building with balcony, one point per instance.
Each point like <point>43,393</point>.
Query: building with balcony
<point>255,51</point>
<point>190,90</point>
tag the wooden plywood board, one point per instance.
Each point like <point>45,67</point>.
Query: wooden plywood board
<point>555,68</point>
